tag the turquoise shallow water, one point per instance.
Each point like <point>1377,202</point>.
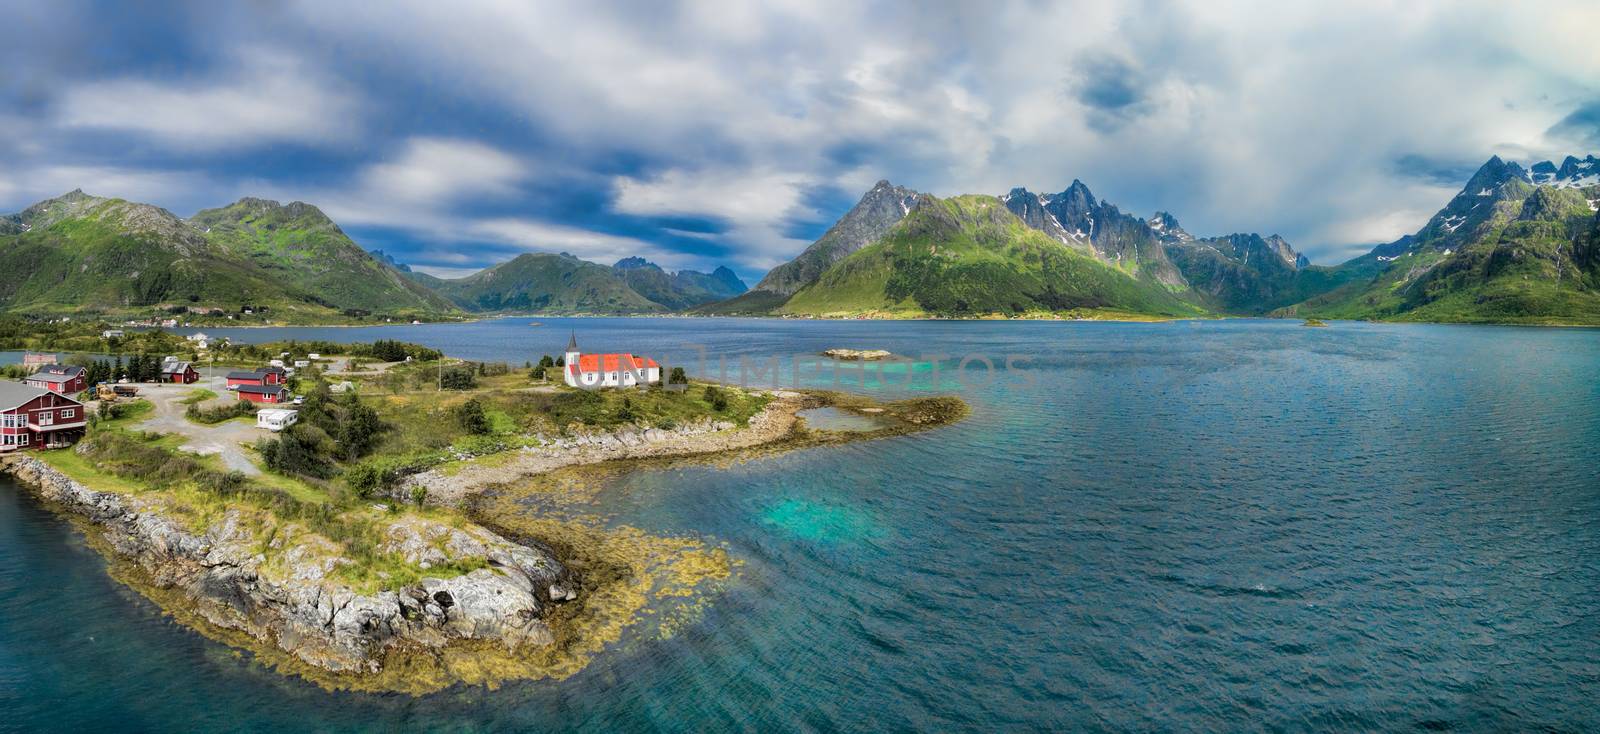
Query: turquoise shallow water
<point>1238,525</point>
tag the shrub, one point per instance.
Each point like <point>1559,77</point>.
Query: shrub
<point>678,377</point>
<point>364,480</point>
<point>458,378</point>
<point>717,398</point>
<point>471,417</point>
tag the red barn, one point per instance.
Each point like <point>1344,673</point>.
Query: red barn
<point>264,393</point>
<point>33,417</point>
<point>59,378</point>
<point>179,372</point>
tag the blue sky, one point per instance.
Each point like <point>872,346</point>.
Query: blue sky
<point>456,135</point>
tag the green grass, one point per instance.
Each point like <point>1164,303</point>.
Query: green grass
<point>197,396</point>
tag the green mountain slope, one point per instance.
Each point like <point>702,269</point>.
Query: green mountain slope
<point>1504,250</point>
<point>87,254</point>
<point>82,253</point>
<point>299,245</point>
<point>544,283</point>
<point>968,256</point>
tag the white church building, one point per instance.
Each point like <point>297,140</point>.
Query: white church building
<point>607,370</point>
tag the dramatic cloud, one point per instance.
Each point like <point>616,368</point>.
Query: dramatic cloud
<point>269,98</point>
<point>698,133</point>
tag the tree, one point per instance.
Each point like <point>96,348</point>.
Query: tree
<point>678,377</point>
<point>358,431</point>
<point>299,449</point>
<point>472,418</point>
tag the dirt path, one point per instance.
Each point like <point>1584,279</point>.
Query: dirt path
<point>222,439</point>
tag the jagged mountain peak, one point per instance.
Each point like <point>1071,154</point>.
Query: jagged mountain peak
<point>879,209</point>
<point>1573,172</point>
<point>635,263</point>
<point>1492,175</point>
<point>1167,228</point>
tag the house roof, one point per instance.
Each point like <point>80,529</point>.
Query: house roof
<point>263,389</point>
<point>271,368</point>
<point>60,369</point>
<point>240,375</point>
<point>172,367</point>
<point>610,363</point>
<point>51,377</point>
<point>13,394</point>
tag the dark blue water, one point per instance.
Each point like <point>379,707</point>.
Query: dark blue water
<point>1236,525</point>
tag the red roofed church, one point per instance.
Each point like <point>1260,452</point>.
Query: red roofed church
<point>608,370</point>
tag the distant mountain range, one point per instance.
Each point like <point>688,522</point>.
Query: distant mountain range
<point>84,254</point>
<point>539,282</point>
<point>1518,246</point>
<point>1515,245</point>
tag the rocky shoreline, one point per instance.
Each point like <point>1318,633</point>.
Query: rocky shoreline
<point>775,421</point>
<point>300,607</point>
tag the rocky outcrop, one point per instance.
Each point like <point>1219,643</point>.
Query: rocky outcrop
<point>298,603</point>
<point>856,355</point>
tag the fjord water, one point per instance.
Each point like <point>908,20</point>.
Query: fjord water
<point>1231,525</point>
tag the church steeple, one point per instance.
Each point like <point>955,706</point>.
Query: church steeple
<point>572,343</point>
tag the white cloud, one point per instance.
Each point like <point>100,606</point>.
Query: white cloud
<point>267,98</point>
<point>434,171</point>
<point>755,205</point>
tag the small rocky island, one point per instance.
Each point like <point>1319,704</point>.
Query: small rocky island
<point>857,355</point>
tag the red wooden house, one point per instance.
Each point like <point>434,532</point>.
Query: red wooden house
<point>33,417</point>
<point>59,378</point>
<point>261,377</point>
<point>264,393</point>
<point>179,372</point>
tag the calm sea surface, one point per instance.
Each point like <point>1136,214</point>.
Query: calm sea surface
<point>1236,525</point>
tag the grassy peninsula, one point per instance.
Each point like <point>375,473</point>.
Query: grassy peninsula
<point>326,552</point>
